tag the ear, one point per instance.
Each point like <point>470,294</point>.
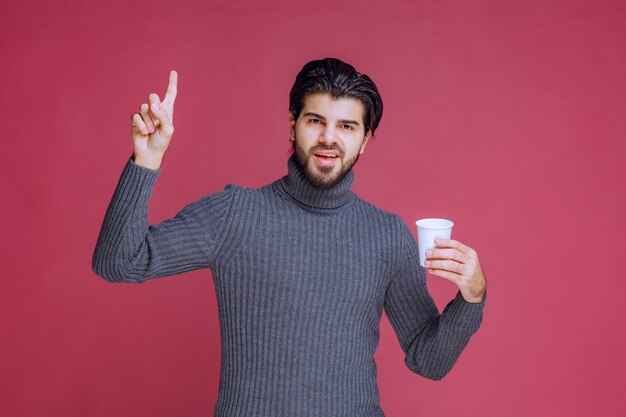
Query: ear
<point>367,137</point>
<point>292,127</point>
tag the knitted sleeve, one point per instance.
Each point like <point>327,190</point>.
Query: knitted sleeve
<point>132,251</point>
<point>431,342</point>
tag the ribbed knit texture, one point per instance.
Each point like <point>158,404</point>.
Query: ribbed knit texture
<point>301,276</point>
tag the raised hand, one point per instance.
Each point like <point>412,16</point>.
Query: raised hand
<point>152,128</point>
<point>458,263</point>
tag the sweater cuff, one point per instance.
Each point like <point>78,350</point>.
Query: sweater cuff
<point>459,296</point>
<point>466,315</point>
<point>137,182</point>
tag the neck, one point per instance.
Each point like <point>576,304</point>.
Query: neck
<point>298,186</point>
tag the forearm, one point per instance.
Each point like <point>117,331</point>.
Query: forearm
<point>125,224</point>
<point>437,346</point>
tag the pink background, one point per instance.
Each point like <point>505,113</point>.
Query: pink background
<point>505,116</point>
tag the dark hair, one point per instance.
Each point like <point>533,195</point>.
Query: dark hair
<point>339,79</point>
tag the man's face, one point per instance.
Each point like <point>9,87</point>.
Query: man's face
<point>328,137</point>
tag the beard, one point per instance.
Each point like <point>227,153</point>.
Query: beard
<point>322,177</point>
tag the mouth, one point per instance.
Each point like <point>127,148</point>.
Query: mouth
<point>326,158</point>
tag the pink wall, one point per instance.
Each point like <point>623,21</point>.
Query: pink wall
<point>504,116</point>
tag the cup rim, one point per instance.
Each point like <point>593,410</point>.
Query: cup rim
<point>448,225</point>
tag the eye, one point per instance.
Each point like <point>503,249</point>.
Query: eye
<point>314,120</point>
<point>348,126</point>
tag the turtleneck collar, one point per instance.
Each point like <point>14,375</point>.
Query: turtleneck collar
<point>297,185</point>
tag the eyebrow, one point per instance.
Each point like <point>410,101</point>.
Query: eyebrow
<point>319,116</point>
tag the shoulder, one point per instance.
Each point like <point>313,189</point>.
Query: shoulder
<point>212,206</point>
<point>246,200</point>
<point>390,230</point>
<point>392,221</point>
<point>243,192</point>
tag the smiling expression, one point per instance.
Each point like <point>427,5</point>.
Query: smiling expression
<point>328,137</point>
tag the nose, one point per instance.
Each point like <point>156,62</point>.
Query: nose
<point>328,135</point>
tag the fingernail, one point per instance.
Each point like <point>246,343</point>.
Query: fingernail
<point>428,253</point>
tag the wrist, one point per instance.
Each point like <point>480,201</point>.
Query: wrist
<point>150,162</point>
<point>477,299</point>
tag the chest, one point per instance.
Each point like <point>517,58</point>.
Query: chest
<point>324,262</point>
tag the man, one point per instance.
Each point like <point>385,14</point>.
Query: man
<point>302,266</point>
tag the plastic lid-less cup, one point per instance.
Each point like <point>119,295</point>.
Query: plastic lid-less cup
<point>428,230</point>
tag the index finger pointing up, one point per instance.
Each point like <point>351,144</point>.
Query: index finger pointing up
<point>170,95</point>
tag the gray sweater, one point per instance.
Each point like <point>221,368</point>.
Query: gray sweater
<point>301,278</point>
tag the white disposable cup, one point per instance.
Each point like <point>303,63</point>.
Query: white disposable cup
<point>428,230</point>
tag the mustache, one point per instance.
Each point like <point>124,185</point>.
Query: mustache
<point>334,148</point>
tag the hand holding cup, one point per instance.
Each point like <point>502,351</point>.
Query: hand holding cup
<point>450,258</point>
